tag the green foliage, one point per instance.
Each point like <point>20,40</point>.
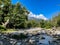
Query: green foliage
<point>17,14</point>
<point>42,22</point>
<point>33,23</point>
<point>45,24</point>
<point>56,20</point>
<point>2,28</point>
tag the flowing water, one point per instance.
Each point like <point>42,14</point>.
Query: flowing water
<point>42,40</point>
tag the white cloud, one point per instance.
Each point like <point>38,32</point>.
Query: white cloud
<point>40,16</point>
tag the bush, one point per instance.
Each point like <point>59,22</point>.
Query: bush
<point>2,28</point>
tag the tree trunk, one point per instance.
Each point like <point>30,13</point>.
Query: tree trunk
<point>5,24</point>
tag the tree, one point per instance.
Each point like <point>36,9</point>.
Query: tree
<point>12,15</point>
<point>4,9</point>
<point>56,20</point>
<point>42,22</point>
<point>18,18</point>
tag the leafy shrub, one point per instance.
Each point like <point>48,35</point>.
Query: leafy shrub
<point>2,28</point>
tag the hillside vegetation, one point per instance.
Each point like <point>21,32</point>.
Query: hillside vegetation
<point>15,16</point>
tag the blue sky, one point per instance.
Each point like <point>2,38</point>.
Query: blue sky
<point>45,7</point>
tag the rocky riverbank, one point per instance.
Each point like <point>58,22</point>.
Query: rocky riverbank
<point>35,31</point>
<point>39,39</point>
<point>31,37</point>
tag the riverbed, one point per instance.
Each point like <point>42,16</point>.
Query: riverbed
<point>38,39</point>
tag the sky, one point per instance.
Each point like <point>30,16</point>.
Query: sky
<point>45,8</point>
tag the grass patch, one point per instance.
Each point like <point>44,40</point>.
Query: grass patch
<point>9,31</point>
